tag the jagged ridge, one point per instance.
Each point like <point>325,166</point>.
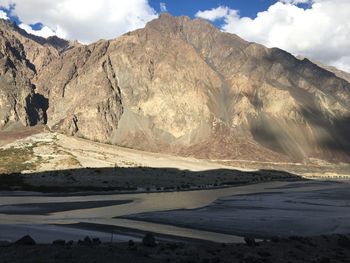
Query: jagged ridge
<point>183,86</point>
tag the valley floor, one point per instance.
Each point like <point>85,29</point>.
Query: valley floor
<point>37,160</point>
<point>218,215</point>
<point>54,186</point>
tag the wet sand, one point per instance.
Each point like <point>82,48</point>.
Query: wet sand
<point>268,214</point>
<point>174,202</point>
<point>48,208</point>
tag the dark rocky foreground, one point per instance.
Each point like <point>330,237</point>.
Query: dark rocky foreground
<point>321,249</point>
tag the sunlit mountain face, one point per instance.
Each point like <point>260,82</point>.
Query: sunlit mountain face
<point>198,131</point>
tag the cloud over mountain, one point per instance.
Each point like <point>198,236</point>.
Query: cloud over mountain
<point>3,15</point>
<point>43,32</point>
<point>321,32</point>
<point>318,29</point>
<point>84,20</point>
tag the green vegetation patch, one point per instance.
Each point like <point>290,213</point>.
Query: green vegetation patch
<point>16,160</point>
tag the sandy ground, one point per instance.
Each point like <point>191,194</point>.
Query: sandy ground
<point>60,161</point>
<point>53,151</point>
<point>9,136</point>
<point>92,154</point>
<point>57,151</point>
<point>54,162</point>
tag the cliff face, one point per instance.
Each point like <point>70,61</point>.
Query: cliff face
<point>22,56</point>
<point>84,93</point>
<point>183,86</point>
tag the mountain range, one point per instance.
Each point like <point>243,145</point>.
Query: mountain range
<point>177,86</point>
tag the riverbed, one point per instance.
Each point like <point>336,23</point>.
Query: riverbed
<point>178,213</point>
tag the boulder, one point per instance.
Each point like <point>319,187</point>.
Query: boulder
<point>59,242</point>
<point>26,241</point>
<point>149,240</point>
<point>250,242</point>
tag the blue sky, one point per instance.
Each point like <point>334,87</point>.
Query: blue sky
<point>190,7</point>
<point>246,8</point>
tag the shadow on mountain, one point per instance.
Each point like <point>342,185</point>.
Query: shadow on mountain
<point>323,137</point>
<point>336,141</point>
<point>266,136</point>
<point>137,178</point>
<point>341,133</point>
<point>36,107</point>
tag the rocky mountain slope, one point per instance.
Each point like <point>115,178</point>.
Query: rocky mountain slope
<point>181,86</point>
<point>22,56</point>
<point>339,73</point>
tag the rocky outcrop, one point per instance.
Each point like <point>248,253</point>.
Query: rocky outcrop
<point>84,93</point>
<point>183,86</point>
<point>339,73</point>
<point>22,56</point>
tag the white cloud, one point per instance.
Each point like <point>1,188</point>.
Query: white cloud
<point>216,13</point>
<point>343,63</point>
<point>296,2</point>
<point>3,15</point>
<point>43,32</point>
<point>321,32</point>
<point>163,7</point>
<point>84,20</point>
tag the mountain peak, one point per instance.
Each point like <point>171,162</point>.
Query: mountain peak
<point>167,16</point>
<point>182,86</point>
<point>176,24</point>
